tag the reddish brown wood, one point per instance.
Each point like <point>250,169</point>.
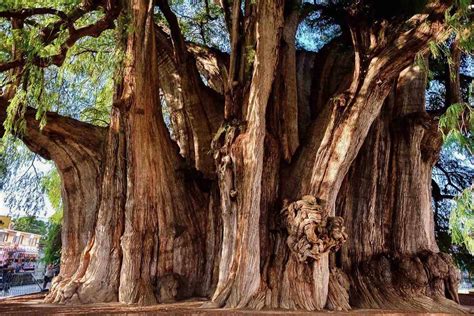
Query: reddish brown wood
<point>345,126</point>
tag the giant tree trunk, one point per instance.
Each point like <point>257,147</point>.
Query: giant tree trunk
<point>261,233</point>
<point>76,149</point>
<point>392,259</point>
<point>336,136</point>
<point>241,166</point>
<point>148,244</point>
<point>161,213</point>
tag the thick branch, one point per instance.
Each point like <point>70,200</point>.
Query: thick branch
<point>61,129</point>
<point>93,30</point>
<point>176,35</point>
<point>212,64</point>
<point>349,116</point>
<point>200,103</point>
<point>58,128</point>
<point>51,32</point>
<point>238,287</point>
<point>77,151</point>
<point>285,92</point>
<point>453,83</point>
<point>25,13</point>
<point>11,64</point>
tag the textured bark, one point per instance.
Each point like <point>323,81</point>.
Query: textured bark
<point>93,280</point>
<point>158,224</point>
<point>392,258</point>
<point>195,109</point>
<point>349,115</point>
<point>200,102</point>
<point>144,226</point>
<point>340,128</point>
<point>171,88</point>
<point>76,149</point>
<point>291,284</point>
<point>211,64</point>
<point>148,208</point>
<point>305,72</point>
<point>239,275</point>
<point>285,95</point>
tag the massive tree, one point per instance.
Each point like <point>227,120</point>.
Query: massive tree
<point>276,178</point>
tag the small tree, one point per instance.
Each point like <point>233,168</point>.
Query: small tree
<point>30,224</point>
<point>52,241</point>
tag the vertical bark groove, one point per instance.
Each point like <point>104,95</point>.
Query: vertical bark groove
<point>392,258</point>
<point>307,139</point>
<point>76,149</point>
<point>240,283</point>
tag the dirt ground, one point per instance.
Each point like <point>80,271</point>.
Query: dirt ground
<point>33,305</point>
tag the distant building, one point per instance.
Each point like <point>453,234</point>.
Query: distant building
<point>5,221</point>
<point>16,245</point>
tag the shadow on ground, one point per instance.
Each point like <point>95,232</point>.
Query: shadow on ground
<point>33,304</point>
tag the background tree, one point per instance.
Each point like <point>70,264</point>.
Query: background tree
<point>453,172</point>
<point>52,241</point>
<point>30,224</point>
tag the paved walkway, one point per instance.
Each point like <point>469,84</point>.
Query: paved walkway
<point>34,305</point>
<point>21,290</point>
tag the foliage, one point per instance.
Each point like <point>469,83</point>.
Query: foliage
<point>463,258</point>
<point>462,24</point>
<point>30,224</point>
<point>461,221</point>
<point>451,175</point>
<point>81,88</point>
<point>457,125</point>
<point>21,173</point>
<point>52,243</point>
<point>200,22</point>
<point>454,171</point>
<point>51,183</point>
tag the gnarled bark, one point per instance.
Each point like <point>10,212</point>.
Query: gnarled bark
<point>148,209</point>
<point>239,275</point>
<point>200,102</point>
<point>211,65</point>
<point>76,149</point>
<point>260,235</point>
<point>392,259</point>
<point>285,95</point>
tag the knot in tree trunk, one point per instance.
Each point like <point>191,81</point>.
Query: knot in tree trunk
<point>311,232</point>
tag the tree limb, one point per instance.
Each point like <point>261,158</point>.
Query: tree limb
<point>349,114</point>
<point>176,35</point>
<point>200,103</point>
<point>63,129</point>
<point>58,126</point>
<point>93,30</point>
<point>227,15</point>
<point>448,177</point>
<point>25,13</point>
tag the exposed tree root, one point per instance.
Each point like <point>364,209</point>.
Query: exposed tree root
<point>420,282</point>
